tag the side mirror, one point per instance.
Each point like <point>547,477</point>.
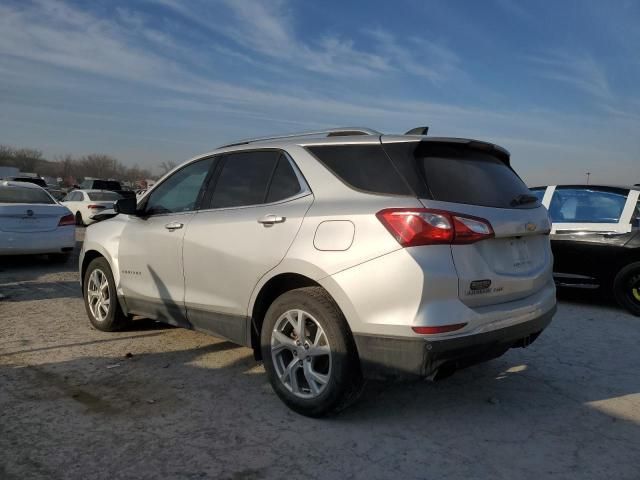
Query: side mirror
<point>127,205</point>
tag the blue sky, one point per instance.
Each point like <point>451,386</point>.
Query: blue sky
<point>557,83</point>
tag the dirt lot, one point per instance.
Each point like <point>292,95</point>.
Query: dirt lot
<point>186,405</point>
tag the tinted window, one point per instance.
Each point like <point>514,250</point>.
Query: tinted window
<point>364,167</point>
<point>459,174</point>
<point>180,191</point>
<point>103,196</point>
<point>576,205</point>
<point>284,183</point>
<point>24,195</point>
<point>36,181</point>
<point>244,179</point>
<point>106,185</point>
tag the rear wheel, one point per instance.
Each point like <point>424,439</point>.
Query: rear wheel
<point>309,353</point>
<point>626,288</point>
<point>100,298</point>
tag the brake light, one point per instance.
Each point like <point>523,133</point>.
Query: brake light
<point>440,329</point>
<point>96,207</point>
<point>67,220</point>
<point>423,226</point>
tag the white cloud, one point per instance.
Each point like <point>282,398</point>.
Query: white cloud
<point>579,71</point>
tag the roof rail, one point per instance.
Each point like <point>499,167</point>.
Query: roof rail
<point>331,132</point>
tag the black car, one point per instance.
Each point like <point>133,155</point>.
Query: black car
<point>595,238</point>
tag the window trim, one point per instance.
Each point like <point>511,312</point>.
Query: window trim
<point>142,204</point>
<point>304,186</point>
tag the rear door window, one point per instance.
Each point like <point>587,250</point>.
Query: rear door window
<point>584,205</point>
<point>363,167</point>
<point>244,179</point>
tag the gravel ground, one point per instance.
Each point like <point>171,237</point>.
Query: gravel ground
<point>158,402</point>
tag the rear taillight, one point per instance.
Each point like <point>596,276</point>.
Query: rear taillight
<point>96,207</point>
<point>67,220</point>
<point>423,226</point>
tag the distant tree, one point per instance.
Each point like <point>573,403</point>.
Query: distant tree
<point>27,159</point>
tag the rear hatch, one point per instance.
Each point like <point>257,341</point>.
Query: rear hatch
<point>475,179</point>
<point>26,218</point>
<point>28,209</point>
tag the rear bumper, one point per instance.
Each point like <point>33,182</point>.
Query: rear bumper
<point>60,240</point>
<point>389,357</point>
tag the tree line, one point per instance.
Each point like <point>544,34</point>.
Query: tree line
<point>72,169</point>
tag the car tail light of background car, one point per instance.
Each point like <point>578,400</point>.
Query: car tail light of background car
<point>67,220</point>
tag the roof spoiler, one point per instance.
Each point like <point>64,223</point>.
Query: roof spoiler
<point>418,131</point>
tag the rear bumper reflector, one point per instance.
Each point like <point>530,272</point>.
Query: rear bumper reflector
<point>439,329</point>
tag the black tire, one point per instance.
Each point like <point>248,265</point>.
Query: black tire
<point>79,220</point>
<point>626,288</point>
<point>114,319</point>
<point>345,379</point>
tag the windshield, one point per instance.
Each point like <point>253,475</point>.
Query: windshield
<point>103,196</point>
<point>25,195</point>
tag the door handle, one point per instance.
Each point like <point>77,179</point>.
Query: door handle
<point>271,219</point>
<point>173,226</point>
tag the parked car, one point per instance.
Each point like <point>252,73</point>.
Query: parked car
<point>111,185</point>
<point>86,203</point>
<point>595,238</point>
<point>29,179</point>
<point>32,222</point>
<point>334,255</point>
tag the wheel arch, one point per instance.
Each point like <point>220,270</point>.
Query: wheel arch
<point>272,289</point>
<point>89,256</point>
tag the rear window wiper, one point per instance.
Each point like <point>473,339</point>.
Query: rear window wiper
<point>523,200</point>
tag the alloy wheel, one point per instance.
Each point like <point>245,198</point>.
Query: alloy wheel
<point>301,354</point>
<point>98,295</point>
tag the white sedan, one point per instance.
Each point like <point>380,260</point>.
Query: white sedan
<point>32,222</point>
<point>84,204</point>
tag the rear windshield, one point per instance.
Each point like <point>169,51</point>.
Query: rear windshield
<point>37,181</point>
<point>103,196</point>
<point>103,184</point>
<point>25,195</point>
<point>459,174</point>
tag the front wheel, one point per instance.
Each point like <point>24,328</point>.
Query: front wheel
<point>309,353</point>
<point>100,299</point>
<point>626,288</point>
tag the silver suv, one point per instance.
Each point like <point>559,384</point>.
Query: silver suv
<point>336,256</point>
